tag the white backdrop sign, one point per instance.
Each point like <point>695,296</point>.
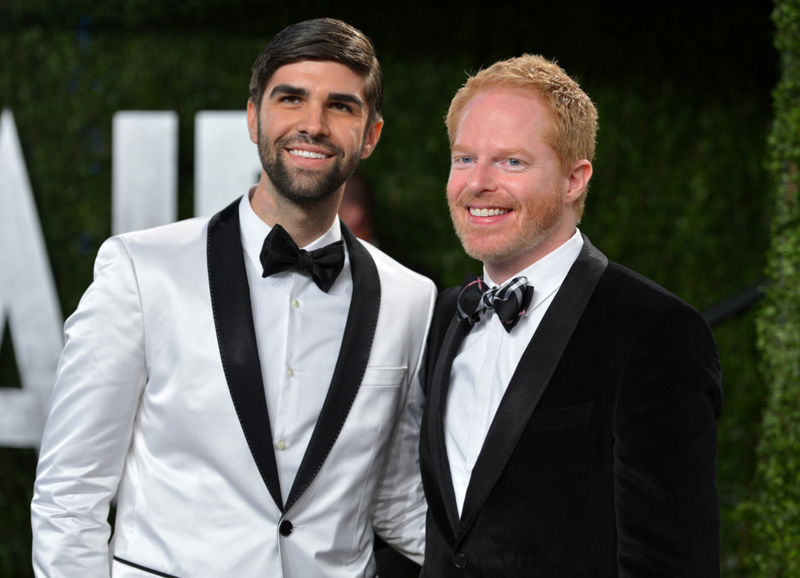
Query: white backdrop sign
<point>144,170</point>
<point>144,194</point>
<point>226,162</point>
<point>28,301</point>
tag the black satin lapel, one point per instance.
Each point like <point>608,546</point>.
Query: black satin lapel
<point>437,404</point>
<point>531,377</point>
<point>359,331</point>
<point>236,335</point>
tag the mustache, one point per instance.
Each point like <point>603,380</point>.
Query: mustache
<point>332,148</point>
<point>487,199</point>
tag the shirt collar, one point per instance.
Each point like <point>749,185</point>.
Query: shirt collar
<point>254,231</point>
<point>548,273</point>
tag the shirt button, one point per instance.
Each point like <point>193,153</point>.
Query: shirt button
<point>289,372</point>
<point>281,445</point>
<point>295,303</point>
<point>459,560</point>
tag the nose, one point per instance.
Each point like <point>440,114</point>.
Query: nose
<point>481,179</point>
<point>313,121</point>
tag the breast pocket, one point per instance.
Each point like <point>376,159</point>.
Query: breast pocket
<point>375,409</point>
<point>379,398</point>
<point>384,376</point>
<point>560,418</point>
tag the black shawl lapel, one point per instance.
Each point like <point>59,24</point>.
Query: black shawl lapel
<point>236,335</point>
<point>437,403</point>
<point>359,331</point>
<point>530,379</point>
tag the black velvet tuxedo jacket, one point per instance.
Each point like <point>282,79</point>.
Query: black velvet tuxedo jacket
<point>602,458</point>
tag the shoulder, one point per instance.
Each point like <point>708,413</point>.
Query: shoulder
<point>406,298</point>
<point>166,241</point>
<point>634,309</point>
<point>622,289</point>
<point>617,290</point>
<point>394,275</point>
<point>660,324</point>
<point>663,348</point>
<point>178,233</point>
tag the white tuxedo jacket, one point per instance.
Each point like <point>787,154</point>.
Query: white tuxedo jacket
<point>159,396</point>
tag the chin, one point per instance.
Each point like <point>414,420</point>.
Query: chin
<point>482,250</point>
<point>490,256</point>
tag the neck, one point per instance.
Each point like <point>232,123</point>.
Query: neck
<point>304,223</point>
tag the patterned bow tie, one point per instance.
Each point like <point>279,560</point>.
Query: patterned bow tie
<point>280,253</point>
<point>510,301</point>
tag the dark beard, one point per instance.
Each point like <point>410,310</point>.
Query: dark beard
<point>305,188</point>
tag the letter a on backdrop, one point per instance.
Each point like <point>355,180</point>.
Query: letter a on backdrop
<point>28,300</point>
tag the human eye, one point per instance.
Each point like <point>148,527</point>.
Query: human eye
<point>341,106</point>
<point>463,160</point>
<point>515,162</point>
<point>290,99</point>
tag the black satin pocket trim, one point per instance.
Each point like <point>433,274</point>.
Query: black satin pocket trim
<point>561,418</point>
<point>143,568</point>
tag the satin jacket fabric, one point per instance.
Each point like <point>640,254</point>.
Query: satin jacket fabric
<point>159,394</point>
<point>602,458</point>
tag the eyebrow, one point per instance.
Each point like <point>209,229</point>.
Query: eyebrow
<point>288,89</point>
<point>346,97</point>
<point>458,149</point>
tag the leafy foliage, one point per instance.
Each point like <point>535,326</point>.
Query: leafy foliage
<point>776,509</point>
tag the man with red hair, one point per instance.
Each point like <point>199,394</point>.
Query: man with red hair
<point>572,404</point>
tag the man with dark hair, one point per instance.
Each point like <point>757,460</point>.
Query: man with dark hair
<point>248,384</point>
<point>570,429</point>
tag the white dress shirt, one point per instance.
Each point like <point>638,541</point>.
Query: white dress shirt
<point>299,331</point>
<point>487,359</point>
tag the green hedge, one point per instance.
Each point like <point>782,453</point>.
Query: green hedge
<point>776,509</point>
<point>679,192</point>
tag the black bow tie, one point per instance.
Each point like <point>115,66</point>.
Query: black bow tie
<point>280,253</point>
<point>510,301</point>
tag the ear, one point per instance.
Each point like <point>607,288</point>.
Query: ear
<point>373,135</point>
<point>578,180</point>
<point>252,121</point>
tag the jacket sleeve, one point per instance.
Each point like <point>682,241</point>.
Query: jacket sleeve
<point>399,508</point>
<point>99,382</point>
<point>665,449</point>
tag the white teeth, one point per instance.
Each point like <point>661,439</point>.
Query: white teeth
<point>487,212</point>
<point>307,154</point>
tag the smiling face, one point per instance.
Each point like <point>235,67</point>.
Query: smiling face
<point>311,130</point>
<point>510,201</point>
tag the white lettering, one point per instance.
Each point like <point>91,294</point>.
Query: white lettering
<point>226,162</point>
<point>144,172</point>
<point>27,298</point>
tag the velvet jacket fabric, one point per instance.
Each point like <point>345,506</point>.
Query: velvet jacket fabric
<point>601,460</point>
<point>159,395</point>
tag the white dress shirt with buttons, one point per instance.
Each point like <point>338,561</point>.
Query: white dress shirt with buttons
<point>299,331</point>
<point>487,359</point>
